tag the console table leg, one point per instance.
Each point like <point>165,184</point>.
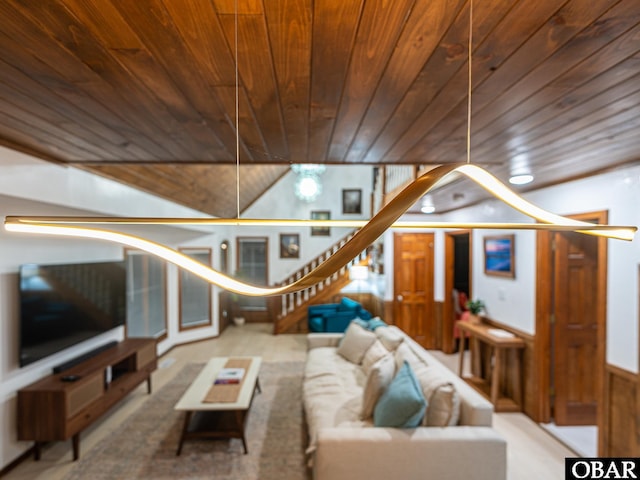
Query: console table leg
<point>75,441</point>
<point>149,384</point>
<point>258,385</point>
<point>461,348</point>
<point>495,379</point>
<point>37,451</point>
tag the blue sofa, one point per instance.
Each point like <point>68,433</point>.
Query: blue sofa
<point>335,317</point>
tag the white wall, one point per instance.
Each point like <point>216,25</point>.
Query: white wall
<point>31,187</point>
<point>281,201</point>
<point>512,301</point>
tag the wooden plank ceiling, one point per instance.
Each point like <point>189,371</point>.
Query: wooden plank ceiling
<point>144,91</point>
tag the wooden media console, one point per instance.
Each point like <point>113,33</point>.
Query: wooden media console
<point>60,406</point>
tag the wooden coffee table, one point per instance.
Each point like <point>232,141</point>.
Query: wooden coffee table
<point>217,419</point>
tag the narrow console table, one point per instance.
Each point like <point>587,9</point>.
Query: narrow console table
<point>60,406</point>
<point>489,383</point>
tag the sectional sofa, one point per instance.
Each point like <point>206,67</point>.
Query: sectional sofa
<point>379,406</point>
<point>335,317</point>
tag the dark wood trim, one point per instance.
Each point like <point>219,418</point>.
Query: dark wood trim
<point>541,349</point>
<point>601,302</point>
<point>18,460</point>
<point>637,382</point>
<point>621,372</point>
<point>544,305</point>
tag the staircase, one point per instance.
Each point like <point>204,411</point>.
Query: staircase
<point>289,312</point>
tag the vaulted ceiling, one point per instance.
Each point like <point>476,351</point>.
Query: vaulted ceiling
<point>145,91</point>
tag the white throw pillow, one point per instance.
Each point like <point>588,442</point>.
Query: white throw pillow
<point>355,343</point>
<point>404,352</point>
<point>442,398</point>
<point>379,378</point>
<point>375,352</point>
<point>390,338</point>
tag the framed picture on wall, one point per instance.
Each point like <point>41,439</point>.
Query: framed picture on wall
<point>289,245</point>
<point>352,201</point>
<point>320,231</point>
<point>499,259</point>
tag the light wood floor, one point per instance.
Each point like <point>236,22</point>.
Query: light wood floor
<point>533,454</point>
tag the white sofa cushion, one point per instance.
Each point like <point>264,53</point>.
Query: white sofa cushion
<point>355,343</point>
<point>404,353</point>
<point>443,400</point>
<point>332,392</point>
<point>379,378</point>
<point>375,352</point>
<point>389,337</point>
<point>442,397</point>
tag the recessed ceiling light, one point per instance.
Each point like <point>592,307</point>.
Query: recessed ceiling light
<point>428,209</point>
<point>521,179</point>
<point>427,205</point>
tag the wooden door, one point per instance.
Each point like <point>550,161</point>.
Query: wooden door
<point>575,343</point>
<point>413,287</point>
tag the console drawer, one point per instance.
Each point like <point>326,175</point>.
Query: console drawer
<point>89,391</point>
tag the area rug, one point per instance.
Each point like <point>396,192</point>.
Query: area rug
<point>145,445</point>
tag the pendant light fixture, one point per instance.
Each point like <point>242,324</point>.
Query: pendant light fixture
<point>367,233</point>
<point>308,185</point>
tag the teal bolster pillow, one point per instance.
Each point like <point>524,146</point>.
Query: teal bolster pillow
<point>402,405</point>
<point>375,323</point>
<point>361,322</point>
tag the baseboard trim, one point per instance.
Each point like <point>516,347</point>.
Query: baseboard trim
<point>21,458</point>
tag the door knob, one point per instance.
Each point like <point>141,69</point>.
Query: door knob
<point>399,298</point>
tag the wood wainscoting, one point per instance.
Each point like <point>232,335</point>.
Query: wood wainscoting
<point>375,305</point>
<point>619,433</point>
<point>620,436</point>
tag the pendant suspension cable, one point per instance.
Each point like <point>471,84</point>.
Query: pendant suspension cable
<point>237,101</point>
<point>469,88</point>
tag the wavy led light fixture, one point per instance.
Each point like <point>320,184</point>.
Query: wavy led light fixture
<point>368,231</point>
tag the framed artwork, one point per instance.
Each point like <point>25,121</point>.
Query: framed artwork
<point>320,231</point>
<point>352,201</point>
<point>289,245</point>
<point>499,257</point>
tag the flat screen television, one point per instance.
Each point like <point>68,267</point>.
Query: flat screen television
<point>62,305</point>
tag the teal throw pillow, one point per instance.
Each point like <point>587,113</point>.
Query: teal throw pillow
<point>346,304</point>
<point>402,405</point>
<point>375,323</point>
<point>361,322</point>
